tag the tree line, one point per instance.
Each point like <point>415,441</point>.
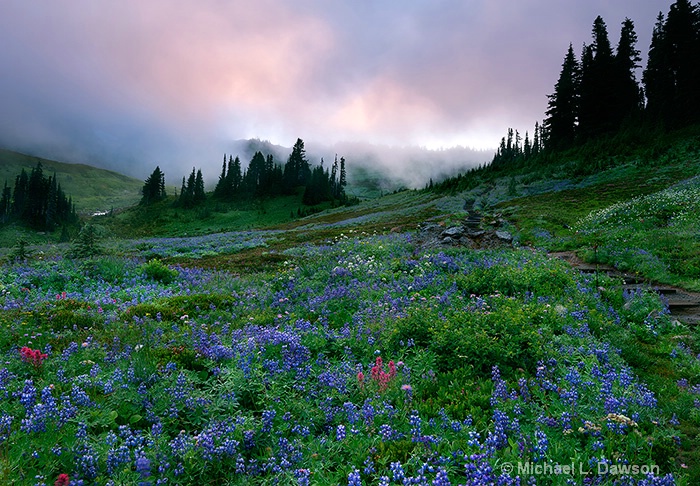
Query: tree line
<point>37,201</point>
<point>263,177</point>
<point>598,93</point>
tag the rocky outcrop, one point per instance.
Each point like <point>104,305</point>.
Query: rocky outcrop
<point>469,234</point>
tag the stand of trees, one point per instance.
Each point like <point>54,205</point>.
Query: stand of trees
<point>513,149</point>
<point>36,201</point>
<point>262,178</point>
<point>600,93</point>
<point>598,96</point>
<point>192,190</point>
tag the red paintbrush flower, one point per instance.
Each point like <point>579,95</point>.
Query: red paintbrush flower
<point>62,480</point>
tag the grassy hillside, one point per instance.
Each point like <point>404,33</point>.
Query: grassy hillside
<point>92,189</point>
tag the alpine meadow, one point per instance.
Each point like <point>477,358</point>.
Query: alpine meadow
<point>533,319</point>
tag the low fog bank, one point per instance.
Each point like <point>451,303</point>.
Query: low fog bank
<point>371,169</point>
<point>374,168</point>
<point>410,167</point>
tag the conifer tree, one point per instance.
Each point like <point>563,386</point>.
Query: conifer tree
<point>334,178</point>
<point>220,189</point>
<point>182,200</point>
<point>234,177</point>
<point>297,171</point>
<point>658,77</point>
<point>527,146</point>
<point>154,187</point>
<point>628,98</point>
<point>20,194</point>
<point>36,196</point>
<point>563,106</point>
<point>51,212</point>
<point>343,181</point>
<point>5,204</point>
<point>597,113</point>
<point>198,193</point>
<point>536,140</point>
<point>682,48</point>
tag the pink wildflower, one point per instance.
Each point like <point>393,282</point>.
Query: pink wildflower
<point>62,480</point>
<point>33,356</point>
<point>392,369</point>
<point>380,376</point>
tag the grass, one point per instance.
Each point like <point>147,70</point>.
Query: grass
<point>558,211</point>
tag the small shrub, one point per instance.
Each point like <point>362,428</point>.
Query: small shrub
<point>86,245</point>
<point>20,252</point>
<point>158,271</point>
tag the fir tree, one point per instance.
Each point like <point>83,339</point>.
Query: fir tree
<point>153,189</point>
<point>658,77</point>
<point>5,204</point>
<point>343,180</point>
<point>628,97</point>
<point>682,48</point>
<point>563,107</point>
<point>220,191</point>
<point>20,194</point>
<point>51,213</point>
<point>198,193</point>
<point>597,113</point>
<point>297,171</point>
<point>86,244</point>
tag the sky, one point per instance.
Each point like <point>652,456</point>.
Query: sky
<point>128,84</point>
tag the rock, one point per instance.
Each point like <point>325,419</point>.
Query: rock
<point>475,233</point>
<point>453,232</point>
<point>430,227</point>
<point>504,235</point>
<point>447,241</point>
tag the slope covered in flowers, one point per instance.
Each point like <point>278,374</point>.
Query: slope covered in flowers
<point>656,234</point>
<point>368,360</point>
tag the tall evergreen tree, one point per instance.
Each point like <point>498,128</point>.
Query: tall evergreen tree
<point>154,187</point>
<point>536,139</point>
<point>234,177</point>
<point>37,201</point>
<point>683,49</point>
<point>5,203</point>
<point>198,193</point>
<point>36,196</point>
<point>563,107</point>
<point>658,79</point>
<point>597,113</point>
<point>343,179</point>
<point>628,98</point>
<point>254,178</point>
<point>51,213</point>
<point>183,199</point>
<point>220,189</point>
<point>335,186</point>
<point>297,170</point>
<point>527,146</point>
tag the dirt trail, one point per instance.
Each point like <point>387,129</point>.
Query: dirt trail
<point>683,305</point>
